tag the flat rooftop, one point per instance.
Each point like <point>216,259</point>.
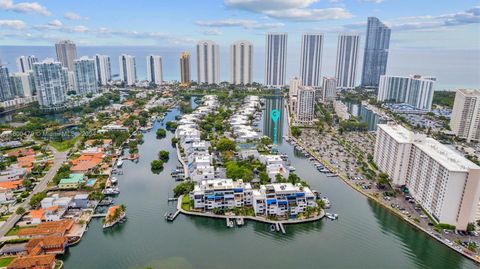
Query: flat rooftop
<point>444,155</point>
<point>397,132</point>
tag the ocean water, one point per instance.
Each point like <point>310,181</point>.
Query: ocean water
<point>453,68</point>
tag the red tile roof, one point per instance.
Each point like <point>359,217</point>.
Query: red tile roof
<point>37,262</point>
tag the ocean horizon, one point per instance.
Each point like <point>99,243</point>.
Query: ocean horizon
<point>453,68</point>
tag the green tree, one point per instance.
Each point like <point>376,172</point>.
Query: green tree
<point>264,179</point>
<point>156,165</point>
<point>183,188</point>
<point>163,155</point>
<point>161,133</point>
<point>296,132</point>
<point>225,144</point>
<point>37,198</point>
<point>20,211</point>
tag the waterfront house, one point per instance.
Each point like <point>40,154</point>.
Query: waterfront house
<point>47,245</point>
<point>277,169</point>
<point>54,213</point>
<point>72,182</point>
<point>249,153</point>
<point>33,262</point>
<point>202,173</point>
<point>54,228</point>
<point>105,143</point>
<point>81,200</point>
<point>56,200</point>
<point>87,162</point>
<point>270,159</point>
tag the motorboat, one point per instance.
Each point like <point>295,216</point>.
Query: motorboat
<point>331,216</point>
<point>119,163</point>
<point>111,191</point>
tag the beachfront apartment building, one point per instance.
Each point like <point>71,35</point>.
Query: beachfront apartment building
<point>347,58</point>
<point>241,62</point>
<point>282,199</point>
<point>311,59</point>
<point>414,90</point>
<point>275,59</point>
<point>51,82</point>
<point>208,62</point>
<point>442,181</point>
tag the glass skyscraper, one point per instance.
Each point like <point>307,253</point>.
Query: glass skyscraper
<point>376,52</point>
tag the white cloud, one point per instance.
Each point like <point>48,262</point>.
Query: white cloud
<point>24,7</point>
<point>211,32</point>
<point>73,16</point>
<point>296,10</point>
<point>247,24</point>
<point>55,23</point>
<point>165,38</point>
<point>78,29</point>
<point>310,14</point>
<point>15,24</point>
<point>266,5</point>
<point>417,23</point>
<point>372,1</point>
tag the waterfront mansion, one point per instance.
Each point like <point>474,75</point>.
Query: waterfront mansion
<point>277,199</point>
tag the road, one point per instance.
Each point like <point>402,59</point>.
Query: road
<point>59,158</point>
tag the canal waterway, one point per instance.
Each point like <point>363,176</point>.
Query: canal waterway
<point>365,236</point>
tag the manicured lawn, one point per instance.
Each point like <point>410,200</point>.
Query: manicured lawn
<point>64,145</point>
<point>4,262</point>
<point>186,203</point>
<point>15,230</point>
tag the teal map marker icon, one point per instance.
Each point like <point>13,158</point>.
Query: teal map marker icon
<point>275,114</point>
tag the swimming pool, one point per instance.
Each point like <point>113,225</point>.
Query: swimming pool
<point>91,182</point>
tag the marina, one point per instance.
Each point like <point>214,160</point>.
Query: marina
<point>145,193</point>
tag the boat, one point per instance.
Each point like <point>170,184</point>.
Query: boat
<point>106,201</point>
<point>114,180</point>
<point>332,175</point>
<point>284,156</point>
<point>324,170</point>
<point>291,168</point>
<point>326,202</point>
<point>119,163</point>
<point>169,216</point>
<point>111,191</point>
<point>331,216</point>
<point>239,221</point>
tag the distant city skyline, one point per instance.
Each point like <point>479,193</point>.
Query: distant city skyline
<point>446,39</point>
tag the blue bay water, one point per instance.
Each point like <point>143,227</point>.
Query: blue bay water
<point>453,68</point>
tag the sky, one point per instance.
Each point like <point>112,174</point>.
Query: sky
<point>417,25</point>
<point>450,24</point>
